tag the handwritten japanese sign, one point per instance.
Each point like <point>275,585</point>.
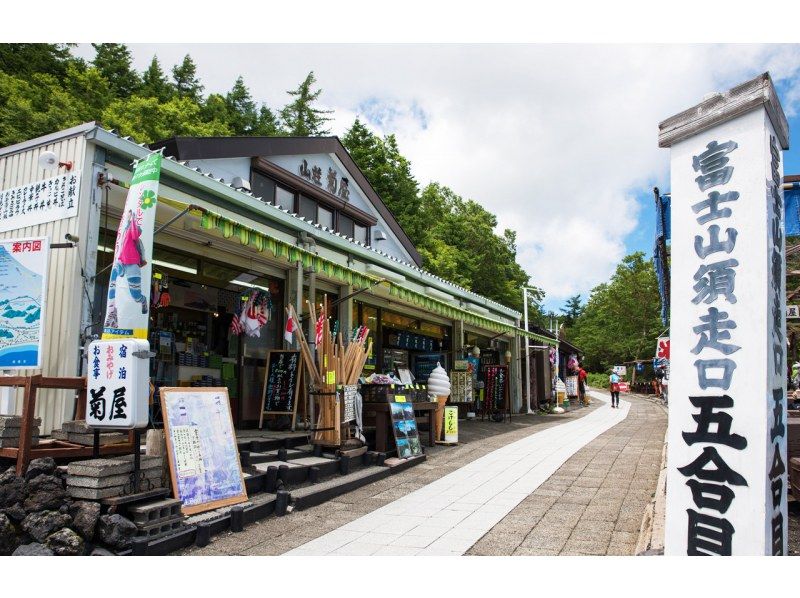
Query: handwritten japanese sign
<point>281,384</point>
<point>23,290</point>
<point>201,444</point>
<point>39,202</point>
<point>118,384</point>
<point>727,474</point>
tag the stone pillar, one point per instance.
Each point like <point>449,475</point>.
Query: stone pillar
<point>727,468</point>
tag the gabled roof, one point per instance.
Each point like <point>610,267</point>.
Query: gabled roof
<point>210,148</point>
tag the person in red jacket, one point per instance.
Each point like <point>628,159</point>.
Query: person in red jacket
<point>582,385</point>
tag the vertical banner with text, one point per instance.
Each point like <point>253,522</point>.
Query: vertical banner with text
<point>727,475</point>
<point>129,286</point>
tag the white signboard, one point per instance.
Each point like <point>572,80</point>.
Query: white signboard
<point>619,370</point>
<point>119,384</point>
<point>726,476</point>
<point>23,289</point>
<point>792,312</point>
<point>128,304</point>
<point>37,203</point>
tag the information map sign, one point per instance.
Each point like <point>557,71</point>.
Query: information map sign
<point>23,290</point>
<point>201,444</point>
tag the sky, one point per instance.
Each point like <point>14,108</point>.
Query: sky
<point>558,140</point>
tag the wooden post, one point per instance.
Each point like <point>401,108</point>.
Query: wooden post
<point>26,429</point>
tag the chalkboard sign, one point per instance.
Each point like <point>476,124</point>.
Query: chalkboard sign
<point>201,445</point>
<point>281,384</point>
<point>496,381</point>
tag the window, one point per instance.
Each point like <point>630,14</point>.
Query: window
<point>308,208</point>
<point>263,187</point>
<point>346,225</point>
<point>325,217</point>
<point>360,234</point>
<point>284,198</point>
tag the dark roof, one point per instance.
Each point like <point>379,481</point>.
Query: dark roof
<point>563,344</point>
<point>210,148</point>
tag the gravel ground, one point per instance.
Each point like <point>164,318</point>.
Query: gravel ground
<point>794,528</point>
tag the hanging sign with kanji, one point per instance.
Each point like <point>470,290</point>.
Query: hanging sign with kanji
<point>662,348</point>
<point>39,202</point>
<point>118,384</point>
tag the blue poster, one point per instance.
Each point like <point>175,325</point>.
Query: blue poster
<point>23,281</point>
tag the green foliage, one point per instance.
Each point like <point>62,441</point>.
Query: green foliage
<point>621,320</point>
<point>571,310</point>
<point>187,85</point>
<point>242,112</point>
<point>300,117</point>
<point>597,379</point>
<point>114,63</point>
<point>148,119</point>
<point>23,60</point>
<point>155,83</point>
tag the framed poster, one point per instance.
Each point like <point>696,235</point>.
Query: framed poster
<point>201,446</point>
<point>281,384</point>
<point>404,427</point>
<point>23,291</point>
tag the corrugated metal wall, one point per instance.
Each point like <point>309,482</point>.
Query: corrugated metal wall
<point>62,323</point>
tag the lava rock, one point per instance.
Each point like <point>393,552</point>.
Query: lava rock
<point>12,492</point>
<point>116,531</point>
<point>45,465</point>
<point>15,512</point>
<point>84,517</point>
<point>8,475</point>
<point>101,552</point>
<point>33,549</point>
<point>40,525</point>
<point>45,492</point>
<point>8,536</point>
<point>65,542</point>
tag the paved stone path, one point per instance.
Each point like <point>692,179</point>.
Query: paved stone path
<point>449,515</point>
<point>594,503</point>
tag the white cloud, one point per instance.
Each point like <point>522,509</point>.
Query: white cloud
<point>555,139</point>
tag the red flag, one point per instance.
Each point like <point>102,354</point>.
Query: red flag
<point>290,328</point>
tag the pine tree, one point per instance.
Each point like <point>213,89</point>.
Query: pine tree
<point>572,310</point>
<point>155,83</point>
<point>242,114</point>
<point>22,60</point>
<point>268,124</point>
<point>186,82</point>
<point>114,63</point>
<point>300,117</point>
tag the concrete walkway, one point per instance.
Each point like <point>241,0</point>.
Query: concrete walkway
<point>595,502</point>
<point>449,515</point>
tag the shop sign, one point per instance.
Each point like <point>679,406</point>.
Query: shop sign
<point>620,370</point>
<point>118,390</point>
<point>37,203</point>
<point>128,305</point>
<point>726,480</point>
<point>451,424</point>
<point>23,290</point>
<point>333,184</point>
<point>793,312</point>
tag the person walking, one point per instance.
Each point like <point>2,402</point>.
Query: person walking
<point>613,380</point>
<point>582,385</point>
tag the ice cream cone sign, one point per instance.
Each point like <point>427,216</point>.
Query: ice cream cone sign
<point>439,390</point>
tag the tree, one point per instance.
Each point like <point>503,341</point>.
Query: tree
<point>389,173</point>
<point>268,124</point>
<point>187,84</point>
<point>155,83</point>
<point>34,107</point>
<point>22,60</point>
<point>90,91</point>
<point>571,310</point>
<point>621,320</point>
<point>148,119</point>
<point>242,113</point>
<point>114,63</point>
<point>300,117</point>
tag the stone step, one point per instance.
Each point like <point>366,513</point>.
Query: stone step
<point>99,493</point>
<point>112,466</point>
<point>80,481</point>
<point>14,432</point>
<point>15,421</point>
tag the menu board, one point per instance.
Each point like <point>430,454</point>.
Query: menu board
<point>404,426</point>
<point>201,445</point>
<point>496,381</point>
<point>461,387</point>
<point>281,383</point>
